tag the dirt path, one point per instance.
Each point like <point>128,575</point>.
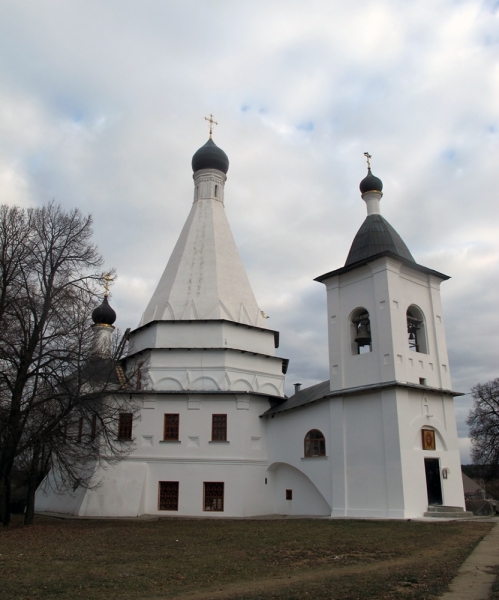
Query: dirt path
<point>278,583</point>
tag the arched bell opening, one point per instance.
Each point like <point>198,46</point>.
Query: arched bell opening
<point>360,331</point>
<point>416,330</point>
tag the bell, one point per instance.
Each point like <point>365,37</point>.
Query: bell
<point>363,337</point>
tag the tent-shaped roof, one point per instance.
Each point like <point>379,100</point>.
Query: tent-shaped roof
<point>376,235</point>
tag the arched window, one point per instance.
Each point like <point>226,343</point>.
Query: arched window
<point>416,330</point>
<point>360,329</point>
<point>216,191</point>
<point>315,444</point>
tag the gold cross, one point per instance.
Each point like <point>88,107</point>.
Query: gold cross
<point>368,158</point>
<point>108,279</point>
<point>212,122</point>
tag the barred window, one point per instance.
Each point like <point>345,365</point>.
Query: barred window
<point>315,444</point>
<point>219,428</point>
<point>168,495</point>
<point>171,427</point>
<point>214,496</point>
<point>125,426</point>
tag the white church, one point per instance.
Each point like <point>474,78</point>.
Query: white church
<point>216,436</point>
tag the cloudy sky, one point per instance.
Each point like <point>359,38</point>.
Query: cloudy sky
<point>102,106</point>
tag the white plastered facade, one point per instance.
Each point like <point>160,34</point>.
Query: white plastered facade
<point>202,349</point>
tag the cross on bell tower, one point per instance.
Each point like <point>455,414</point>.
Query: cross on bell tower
<point>212,122</point>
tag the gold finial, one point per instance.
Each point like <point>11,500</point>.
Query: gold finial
<point>108,279</point>
<point>368,158</point>
<point>212,122</point>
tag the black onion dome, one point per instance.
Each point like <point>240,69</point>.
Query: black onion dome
<point>370,183</point>
<point>376,235</point>
<point>210,156</point>
<point>104,314</point>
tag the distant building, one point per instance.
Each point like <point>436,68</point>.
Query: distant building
<point>217,436</point>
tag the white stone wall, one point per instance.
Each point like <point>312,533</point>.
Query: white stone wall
<point>374,464</point>
<point>212,370</point>
<point>205,355</point>
<point>202,334</point>
<point>386,290</point>
<point>312,491</point>
<point>419,410</point>
<point>131,487</point>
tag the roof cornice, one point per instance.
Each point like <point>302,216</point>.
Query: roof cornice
<point>364,389</point>
<point>284,361</point>
<point>388,254</point>
<point>235,323</point>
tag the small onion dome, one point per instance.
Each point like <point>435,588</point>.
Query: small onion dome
<point>210,156</point>
<point>104,314</point>
<point>370,183</point>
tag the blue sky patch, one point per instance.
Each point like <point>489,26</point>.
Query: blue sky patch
<point>308,126</point>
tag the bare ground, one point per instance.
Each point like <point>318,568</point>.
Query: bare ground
<point>239,560</point>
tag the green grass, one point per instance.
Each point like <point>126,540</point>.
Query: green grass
<point>236,559</point>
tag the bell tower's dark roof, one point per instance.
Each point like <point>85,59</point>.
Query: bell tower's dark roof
<point>376,238</point>
<point>376,235</point>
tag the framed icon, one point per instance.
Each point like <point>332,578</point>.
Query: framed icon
<point>428,439</point>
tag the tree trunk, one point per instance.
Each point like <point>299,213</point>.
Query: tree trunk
<point>5,499</point>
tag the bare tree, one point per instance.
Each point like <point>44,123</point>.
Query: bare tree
<point>53,388</point>
<point>484,424</point>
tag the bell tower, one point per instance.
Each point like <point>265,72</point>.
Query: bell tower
<point>389,376</point>
<point>384,310</point>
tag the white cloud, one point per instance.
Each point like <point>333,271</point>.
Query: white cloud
<point>102,107</point>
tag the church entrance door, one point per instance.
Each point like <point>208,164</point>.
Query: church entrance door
<point>433,483</point>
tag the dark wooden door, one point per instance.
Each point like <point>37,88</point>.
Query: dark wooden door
<point>433,483</point>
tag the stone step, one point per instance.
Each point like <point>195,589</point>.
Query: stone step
<point>441,508</point>
<point>448,512</point>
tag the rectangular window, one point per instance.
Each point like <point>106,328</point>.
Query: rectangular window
<point>125,426</point>
<point>289,494</point>
<point>171,427</point>
<point>214,496</point>
<point>168,495</point>
<point>219,428</point>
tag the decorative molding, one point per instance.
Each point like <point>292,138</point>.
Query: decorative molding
<point>203,461</point>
